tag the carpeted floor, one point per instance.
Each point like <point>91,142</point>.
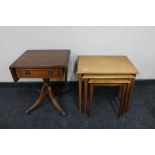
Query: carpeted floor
<point>14,100</point>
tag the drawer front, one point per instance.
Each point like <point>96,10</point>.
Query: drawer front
<point>40,73</point>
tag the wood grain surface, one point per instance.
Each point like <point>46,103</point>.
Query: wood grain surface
<point>105,65</point>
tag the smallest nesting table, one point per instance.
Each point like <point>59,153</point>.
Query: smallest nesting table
<point>44,64</point>
<point>106,71</point>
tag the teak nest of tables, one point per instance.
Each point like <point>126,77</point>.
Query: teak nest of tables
<point>105,71</point>
<point>45,64</point>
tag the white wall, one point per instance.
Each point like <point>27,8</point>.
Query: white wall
<point>138,43</point>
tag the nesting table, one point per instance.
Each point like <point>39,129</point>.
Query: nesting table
<point>44,64</point>
<point>105,71</point>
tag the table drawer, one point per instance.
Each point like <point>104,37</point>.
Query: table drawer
<point>40,73</point>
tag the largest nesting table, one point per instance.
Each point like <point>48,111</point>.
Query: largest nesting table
<point>44,64</point>
<point>98,69</point>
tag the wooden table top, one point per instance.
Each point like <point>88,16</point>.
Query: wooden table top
<point>42,59</point>
<point>105,65</point>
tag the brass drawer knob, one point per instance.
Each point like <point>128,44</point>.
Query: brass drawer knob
<point>27,73</point>
<point>50,72</point>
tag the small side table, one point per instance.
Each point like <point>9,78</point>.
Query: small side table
<point>44,64</point>
<point>98,70</point>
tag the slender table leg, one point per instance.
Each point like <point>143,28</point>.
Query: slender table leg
<point>126,98</point>
<point>54,101</point>
<point>38,101</point>
<point>66,86</point>
<point>122,99</point>
<point>90,98</point>
<point>80,92</point>
<point>66,71</point>
<point>85,94</point>
<point>130,94</point>
<point>46,90</point>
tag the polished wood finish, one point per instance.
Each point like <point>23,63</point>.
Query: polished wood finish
<point>46,90</point>
<point>39,100</point>
<point>45,64</point>
<point>41,63</point>
<point>40,73</point>
<point>42,59</point>
<point>98,70</point>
